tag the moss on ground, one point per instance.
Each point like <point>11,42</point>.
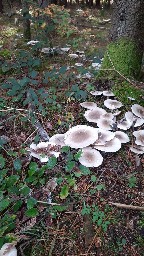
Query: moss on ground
<point>124,90</point>
<point>124,57</point>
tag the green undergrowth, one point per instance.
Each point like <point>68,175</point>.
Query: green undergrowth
<point>124,90</point>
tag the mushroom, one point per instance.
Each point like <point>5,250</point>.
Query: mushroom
<point>138,110</point>
<point>108,93</point>
<point>94,114</point>
<point>124,124</point>
<point>96,93</point>
<point>110,146</point>
<point>105,123</point>
<point>88,105</point>
<point>139,137</point>
<point>78,64</point>
<point>32,42</point>
<point>81,136</point>
<point>8,249</point>
<point>123,137</point>
<point>138,121</point>
<point>44,150</point>
<point>137,149</point>
<point>112,104</point>
<point>103,137</point>
<point>90,157</point>
<point>73,55</point>
<point>108,116</point>
<point>58,139</point>
<point>129,117</point>
<point>65,49</point>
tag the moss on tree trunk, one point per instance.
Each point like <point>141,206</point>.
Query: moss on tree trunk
<point>123,56</point>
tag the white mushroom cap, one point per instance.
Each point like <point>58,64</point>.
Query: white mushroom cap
<point>108,93</point>
<point>124,124</point>
<point>110,146</point>
<point>90,157</point>
<point>138,110</point>
<point>94,114</point>
<point>139,137</point>
<point>88,105</point>
<point>138,122</point>
<point>81,136</point>
<point>129,117</point>
<point>123,137</point>
<point>58,139</point>
<point>105,123</point>
<point>137,149</point>
<point>96,93</point>
<point>79,64</point>
<point>43,151</point>
<point>108,116</point>
<point>112,104</point>
<point>104,136</point>
<point>65,49</point>
<point>8,249</point>
<point>73,55</point>
<point>39,145</point>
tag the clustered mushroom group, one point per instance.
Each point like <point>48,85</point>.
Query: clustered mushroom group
<point>105,136</point>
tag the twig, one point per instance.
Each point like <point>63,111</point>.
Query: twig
<point>126,206</point>
<point>43,202</point>
<point>30,136</point>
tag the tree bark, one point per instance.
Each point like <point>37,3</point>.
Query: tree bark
<point>1,6</point>
<point>128,21</point>
<point>97,3</point>
<point>26,20</point>
<point>127,37</point>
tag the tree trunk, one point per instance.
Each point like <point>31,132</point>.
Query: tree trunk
<point>26,20</point>
<point>1,6</point>
<point>97,3</point>
<point>127,36</point>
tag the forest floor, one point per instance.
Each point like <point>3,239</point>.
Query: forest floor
<point>85,221</point>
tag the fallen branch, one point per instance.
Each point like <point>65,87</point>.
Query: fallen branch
<point>126,206</point>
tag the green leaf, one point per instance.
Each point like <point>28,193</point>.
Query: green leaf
<point>33,168</point>
<point>31,202</point>
<point>71,182</point>
<point>17,164</point>
<point>25,191</point>
<point>132,181</point>
<point>85,170</point>
<point>33,212</point>
<point>17,205</point>
<point>51,162</point>
<point>65,149</point>
<point>78,155</point>
<point>123,241</point>
<point>86,209</point>
<point>93,178</point>
<point>11,181</point>
<point>64,192</point>
<point>33,74</point>
<point>69,165</point>
<point>2,162</point>
<point>4,203</point>
<point>100,186</point>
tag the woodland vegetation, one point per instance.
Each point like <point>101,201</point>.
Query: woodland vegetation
<point>71,127</point>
